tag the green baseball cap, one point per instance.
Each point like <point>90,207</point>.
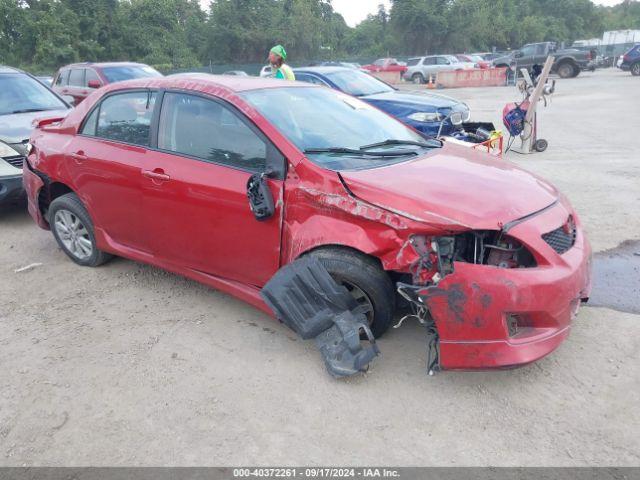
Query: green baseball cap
<point>280,51</point>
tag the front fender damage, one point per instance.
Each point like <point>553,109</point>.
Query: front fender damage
<point>305,298</point>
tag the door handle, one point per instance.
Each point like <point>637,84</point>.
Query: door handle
<point>156,175</point>
<point>79,156</point>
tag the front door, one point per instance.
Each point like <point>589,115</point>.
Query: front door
<point>107,157</point>
<point>196,212</point>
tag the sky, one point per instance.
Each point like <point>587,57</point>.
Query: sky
<point>354,11</point>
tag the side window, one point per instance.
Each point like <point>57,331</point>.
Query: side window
<point>528,50</point>
<point>541,49</point>
<point>429,61</point>
<point>91,123</point>
<point>125,117</point>
<point>62,79</point>
<point>442,61</point>
<point>91,75</point>
<point>208,130</point>
<point>76,77</point>
<point>311,79</point>
<point>379,62</point>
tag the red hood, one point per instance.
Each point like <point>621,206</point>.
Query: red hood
<point>454,185</point>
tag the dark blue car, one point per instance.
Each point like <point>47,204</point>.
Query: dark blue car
<point>631,61</point>
<point>423,111</point>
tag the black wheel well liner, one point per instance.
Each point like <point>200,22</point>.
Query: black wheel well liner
<point>49,192</point>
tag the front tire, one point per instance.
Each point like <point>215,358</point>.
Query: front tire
<point>417,78</point>
<point>635,69</point>
<point>73,229</point>
<point>366,280</point>
<point>567,70</point>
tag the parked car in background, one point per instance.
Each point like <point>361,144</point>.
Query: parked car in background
<point>477,60</point>
<point>424,111</point>
<point>266,71</point>
<point>631,61</point>
<point>420,69</point>
<point>80,79</point>
<point>386,65</point>
<point>236,178</point>
<point>22,99</point>
<point>336,64</point>
<point>567,63</point>
<point>237,73</point>
<point>48,81</point>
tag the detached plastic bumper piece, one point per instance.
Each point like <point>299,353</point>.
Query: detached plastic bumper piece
<point>306,299</point>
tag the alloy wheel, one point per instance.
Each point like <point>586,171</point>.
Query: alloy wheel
<point>362,298</point>
<point>73,234</point>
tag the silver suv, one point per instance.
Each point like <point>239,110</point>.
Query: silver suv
<point>420,69</point>
<point>22,99</point>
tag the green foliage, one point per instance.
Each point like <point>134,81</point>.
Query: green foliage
<point>178,34</point>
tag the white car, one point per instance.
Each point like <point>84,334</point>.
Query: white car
<point>422,68</point>
<point>22,100</point>
<point>266,71</point>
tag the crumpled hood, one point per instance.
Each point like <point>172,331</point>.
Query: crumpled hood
<point>416,100</point>
<point>17,127</point>
<point>454,185</point>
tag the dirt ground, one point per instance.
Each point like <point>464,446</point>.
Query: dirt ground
<point>129,365</point>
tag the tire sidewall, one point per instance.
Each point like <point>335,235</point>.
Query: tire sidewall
<point>372,281</point>
<point>72,203</point>
<point>635,69</point>
<point>568,68</point>
<point>417,78</point>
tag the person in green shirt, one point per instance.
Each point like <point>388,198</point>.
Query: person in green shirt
<point>277,56</point>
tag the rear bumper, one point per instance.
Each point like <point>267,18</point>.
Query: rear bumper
<point>489,317</point>
<point>10,188</point>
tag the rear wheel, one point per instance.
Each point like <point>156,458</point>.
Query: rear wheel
<point>540,145</point>
<point>567,70</point>
<point>417,78</point>
<point>635,69</point>
<point>73,230</point>
<point>366,281</point>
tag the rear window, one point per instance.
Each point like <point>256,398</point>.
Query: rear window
<point>128,72</point>
<point>413,62</point>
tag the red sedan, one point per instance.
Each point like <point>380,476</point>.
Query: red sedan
<point>157,170</point>
<point>386,65</point>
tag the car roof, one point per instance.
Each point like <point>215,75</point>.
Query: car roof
<point>207,82</point>
<point>324,69</point>
<point>105,64</point>
<point>5,69</point>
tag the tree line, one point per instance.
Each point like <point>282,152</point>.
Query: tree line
<point>173,34</point>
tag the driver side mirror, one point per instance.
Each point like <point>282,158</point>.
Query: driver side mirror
<point>518,54</point>
<point>260,198</point>
<point>94,84</point>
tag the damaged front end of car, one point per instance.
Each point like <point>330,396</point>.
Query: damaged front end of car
<point>498,298</point>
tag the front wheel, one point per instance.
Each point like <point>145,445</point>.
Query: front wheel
<point>567,70</point>
<point>417,78</point>
<point>73,230</point>
<point>635,69</point>
<point>366,281</point>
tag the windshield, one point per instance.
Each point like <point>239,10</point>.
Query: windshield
<point>121,73</point>
<point>320,118</point>
<point>357,83</point>
<point>20,93</point>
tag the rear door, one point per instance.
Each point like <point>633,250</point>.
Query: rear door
<point>106,161</point>
<point>196,213</point>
